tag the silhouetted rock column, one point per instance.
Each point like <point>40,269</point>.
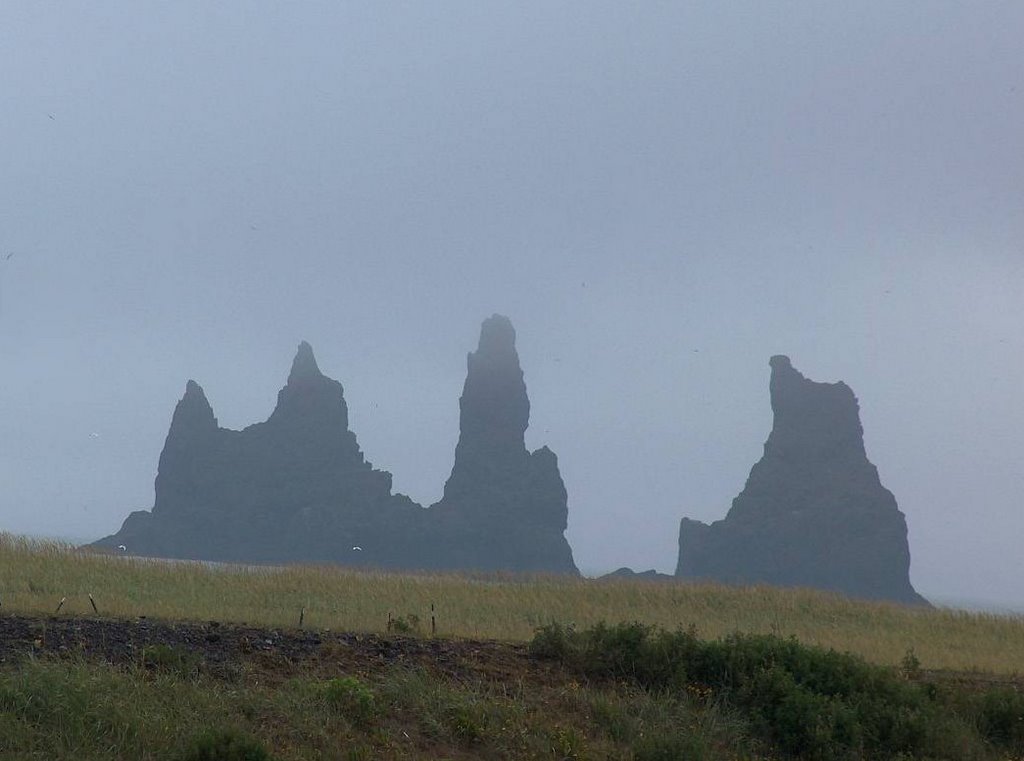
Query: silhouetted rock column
<point>494,413</point>
<point>813,512</point>
<point>503,507</point>
<point>184,459</point>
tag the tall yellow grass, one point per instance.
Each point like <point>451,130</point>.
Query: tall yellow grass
<point>34,576</point>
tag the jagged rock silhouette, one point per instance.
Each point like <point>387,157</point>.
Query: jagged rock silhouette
<point>297,488</point>
<point>813,512</point>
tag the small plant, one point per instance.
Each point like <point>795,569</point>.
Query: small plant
<point>352,698</point>
<point>466,724</point>
<point>226,745</point>
<point>910,665</point>
<point>408,624</point>
<point>567,743</point>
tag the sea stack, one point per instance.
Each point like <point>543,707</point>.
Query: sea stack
<point>813,512</point>
<point>291,488</point>
<point>503,506</point>
<point>297,488</point>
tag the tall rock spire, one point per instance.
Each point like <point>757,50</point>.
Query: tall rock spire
<point>494,411</point>
<point>813,512</point>
<point>304,366</point>
<point>189,440</point>
<point>509,505</point>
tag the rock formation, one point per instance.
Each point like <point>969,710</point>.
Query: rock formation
<point>503,507</point>
<point>628,574</point>
<point>297,488</point>
<point>813,512</point>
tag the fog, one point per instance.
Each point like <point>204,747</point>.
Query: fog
<point>660,195</point>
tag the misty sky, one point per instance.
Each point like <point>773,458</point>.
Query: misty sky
<point>660,195</point>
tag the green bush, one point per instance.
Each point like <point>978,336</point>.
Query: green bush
<point>808,701</point>
<point>352,698</point>
<point>1000,717</point>
<point>226,745</point>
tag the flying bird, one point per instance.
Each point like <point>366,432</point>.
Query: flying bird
<point>122,548</point>
<point>358,549</point>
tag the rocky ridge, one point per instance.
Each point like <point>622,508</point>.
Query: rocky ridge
<point>297,487</point>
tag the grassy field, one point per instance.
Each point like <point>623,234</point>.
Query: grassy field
<point>35,576</point>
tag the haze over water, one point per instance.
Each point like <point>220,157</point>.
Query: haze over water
<point>660,197</point>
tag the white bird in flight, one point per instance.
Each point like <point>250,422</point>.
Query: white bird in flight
<point>358,549</point>
<point>122,548</point>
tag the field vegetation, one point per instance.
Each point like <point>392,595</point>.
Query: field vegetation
<point>518,669</point>
<point>36,576</point>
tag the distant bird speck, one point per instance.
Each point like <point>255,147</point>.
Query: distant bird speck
<point>8,257</point>
<point>94,435</point>
<point>50,115</point>
<point>358,549</point>
<point>122,548</point>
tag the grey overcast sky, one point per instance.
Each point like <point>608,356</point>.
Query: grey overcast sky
<point>661,195</point>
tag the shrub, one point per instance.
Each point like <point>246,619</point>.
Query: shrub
<point>1000,717</point>
<point>809,701</point>
<point>352,698</point>
<point>226,745</point>
<point>407,624</point>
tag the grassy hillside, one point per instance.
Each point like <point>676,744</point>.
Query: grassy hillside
<point>93,688</point>
<point>35,576</point>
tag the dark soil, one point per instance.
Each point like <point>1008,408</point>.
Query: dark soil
<point>222,647</point>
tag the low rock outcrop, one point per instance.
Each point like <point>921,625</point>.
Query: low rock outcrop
<point>628,574</point>
<point>297,488</point>
<point>813,512</point>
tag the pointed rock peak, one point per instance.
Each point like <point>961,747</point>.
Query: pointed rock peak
<point>193,389</point>
<point>304,365</point>
<point>497,336</point>
<point>193,411</point>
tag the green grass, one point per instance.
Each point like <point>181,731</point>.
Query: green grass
<point>804,701</point>
<point>34,576</point>
<point>76,710</point>
<point>625,692</point>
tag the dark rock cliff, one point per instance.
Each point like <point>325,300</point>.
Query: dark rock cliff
<point>813,512</point>
<point>297,488</point>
